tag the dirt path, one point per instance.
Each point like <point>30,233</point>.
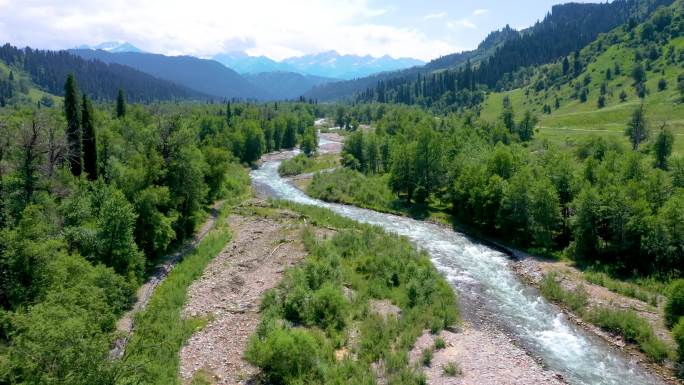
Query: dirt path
<point>230,290</point>
<point>125,325</point>
<point>484,357</point>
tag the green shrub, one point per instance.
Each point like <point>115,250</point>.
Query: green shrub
<point>452,369</point>
<point>674,309</point>
<point>426,356</point>
<point>678,335</point>
<point>575,299</point>
<point>633,328</point>
<point>329,308</point>
<point>285,355</point>
<point>439,343</point>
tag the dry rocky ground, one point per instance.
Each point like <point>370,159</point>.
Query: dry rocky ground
<point>483,357</point>
<point>230,290</point>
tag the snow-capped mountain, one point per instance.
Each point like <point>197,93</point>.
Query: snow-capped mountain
<point>113,47</point>
<point>328,64</point>
<point>334,65</point>
<point>245,64</point>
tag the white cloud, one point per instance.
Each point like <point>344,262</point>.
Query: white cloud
<point>437,15</point>
<point>480,12</point>
<point>462,23</point>
<point>274,28</point>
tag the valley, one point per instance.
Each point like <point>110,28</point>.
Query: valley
<point>344,193</point>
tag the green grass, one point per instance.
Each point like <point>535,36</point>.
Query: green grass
<point>575,299</point>
<point>426,356</point>
<point>633,328</point>
<point>574,121</point>
<point>623,288</point>
<point>152,353</point>
<point>302,164</point>
<point>34,94</point>
<point>440,343</point>
<point>307,317</point>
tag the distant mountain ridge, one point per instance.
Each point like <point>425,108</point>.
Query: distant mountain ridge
<point>113,47</point>
<point>286,85</point>
<point>206,76</point>
<point>329,64</point>
<point>49,69</point>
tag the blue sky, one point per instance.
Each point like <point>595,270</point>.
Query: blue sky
<point>422,29</point>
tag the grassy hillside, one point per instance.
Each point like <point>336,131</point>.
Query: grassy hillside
<point>661,57</point>
<point>26,91</point>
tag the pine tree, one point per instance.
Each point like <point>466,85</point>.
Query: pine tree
<point>73,132</point>
<point>663,148</point>
<point>89,139</point>
<point>120,104</point>
<point>229,113</point>
<point>637,129</point>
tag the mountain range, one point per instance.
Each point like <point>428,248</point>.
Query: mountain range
<point>328,64</point>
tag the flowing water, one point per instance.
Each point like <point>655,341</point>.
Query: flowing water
<point>485,283</point>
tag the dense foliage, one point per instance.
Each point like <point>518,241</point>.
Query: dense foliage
<point>90,199</point>
<point>601,203</point>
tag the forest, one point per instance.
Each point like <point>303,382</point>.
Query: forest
<point>91,197</point>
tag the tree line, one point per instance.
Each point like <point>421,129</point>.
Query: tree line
<point>601,203</point>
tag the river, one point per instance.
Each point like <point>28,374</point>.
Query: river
<point>486,285</point>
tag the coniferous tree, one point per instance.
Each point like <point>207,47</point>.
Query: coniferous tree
<point>73,132</point>
<point>229,113</point>
<point>637,129</point>
<point>89,139</point>
<point>663,148</point>
<point>120,104</point>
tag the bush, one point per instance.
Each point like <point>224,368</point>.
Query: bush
<point>426,356</point>
<point>452,369</point>
<point>678,335</point>
<point>674,309</point>
<point>329,308</point>
<point>439,343</point>
<point>284,354</point>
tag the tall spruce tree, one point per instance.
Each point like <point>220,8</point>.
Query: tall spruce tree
<point>637,128</point>
<point>73,132</point>
<point>89,140</point>
<point>120,104</point>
